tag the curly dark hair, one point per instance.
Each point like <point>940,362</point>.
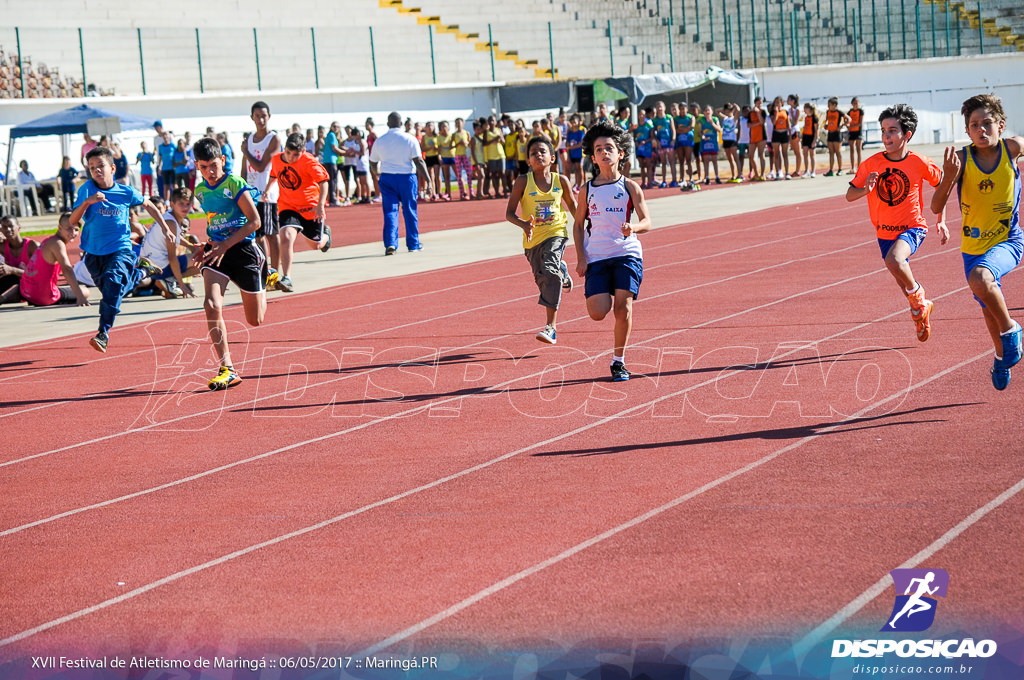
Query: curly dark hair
<point>904,115</point>
<point>991,103</point>
<point>619,137</point>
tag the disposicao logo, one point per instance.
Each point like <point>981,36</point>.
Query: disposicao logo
<point>914,609</point>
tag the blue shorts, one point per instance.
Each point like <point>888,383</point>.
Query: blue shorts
<point>914,237</point>
<point>168,274</point>
<point>447,161</point>
<point>1000,260</point>
<point>604,277</point>
<point>511,165</point>
<point>684,140</point>
<point>575,155</point>
<point>644,152</point>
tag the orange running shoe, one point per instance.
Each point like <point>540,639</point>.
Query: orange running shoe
<point>921,312</point>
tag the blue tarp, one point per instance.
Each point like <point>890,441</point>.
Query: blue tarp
<point>75,120</point>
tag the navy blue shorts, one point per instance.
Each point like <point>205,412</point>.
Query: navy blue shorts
<point>183,262</point>
<point>604,277</point>
<point>914,237</point>
<point>1000,259</point>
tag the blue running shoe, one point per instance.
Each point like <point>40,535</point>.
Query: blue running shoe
<point>1000,374</point>
<point>1011,347</point>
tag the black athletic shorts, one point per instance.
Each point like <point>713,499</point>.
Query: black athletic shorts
<point>780,137</point>
<point>728,143</point>
<point>269,225</point>
<point>244,264</point>
<point>431,161</point>
<point>854,135</point>
<point>807,141</point>
<point>834,137</point>
<point>311,229</point>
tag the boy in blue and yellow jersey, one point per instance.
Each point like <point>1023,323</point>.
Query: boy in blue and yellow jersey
<point>231,255</point>
<point>988,183</point>
<point>539,194</point>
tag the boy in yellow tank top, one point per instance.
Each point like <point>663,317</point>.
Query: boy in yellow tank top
<point>540,195</point>
<point>988,182</point>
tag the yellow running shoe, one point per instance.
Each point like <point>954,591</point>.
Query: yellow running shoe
<point>271,279</point>
<point>226,378</point>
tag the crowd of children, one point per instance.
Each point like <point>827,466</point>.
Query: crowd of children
<point>284,189</point>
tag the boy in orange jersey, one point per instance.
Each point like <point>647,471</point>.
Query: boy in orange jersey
<point>301,202</point>
<point>855,126</point>
<point>755,120</point>
<point>988,182</point>
<point>834,122</point>
<point>893,182</point>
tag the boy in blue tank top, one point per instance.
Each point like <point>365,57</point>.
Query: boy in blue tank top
<point>608,253</point>
<point>539,195</point>
<point>988,183</point>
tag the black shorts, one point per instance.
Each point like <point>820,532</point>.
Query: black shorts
<point>834,137</point>
<point>168,177</point>
<point>244,265</point>
<point>311,229</point>
<point>431,161</point>
<point>807,141</point>
<point>269,225</point>
<point>854,135</point>
<point>780,137</point>
<point>728,143</point>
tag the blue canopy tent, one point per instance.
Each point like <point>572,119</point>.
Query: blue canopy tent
<point>71,121</point>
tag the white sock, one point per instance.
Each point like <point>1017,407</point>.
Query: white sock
<point>619,359</point>
<point>1016,327</point>
<point>914,289</point>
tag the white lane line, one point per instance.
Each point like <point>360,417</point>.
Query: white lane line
<point>153,384</point>
<point>462,473</point>
<point>716,236</point>
<point>812,639</point>
<point>233,464</point>
<point>636,521</point>
<point>469,346</point>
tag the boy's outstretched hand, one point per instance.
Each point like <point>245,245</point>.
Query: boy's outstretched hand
<point>940,227</point>
<point>950,162</point>
<point>627,230</point>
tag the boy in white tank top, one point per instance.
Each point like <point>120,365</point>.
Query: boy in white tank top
<point>257,151</point>
<point>607,250</point>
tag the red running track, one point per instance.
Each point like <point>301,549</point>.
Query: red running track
<point>405,465</point>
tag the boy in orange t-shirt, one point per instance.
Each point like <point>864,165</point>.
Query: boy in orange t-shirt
<point>893,181</point>
<point>300,205</point>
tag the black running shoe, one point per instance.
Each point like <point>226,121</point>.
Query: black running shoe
<point>619,372</point>
<point>99,342</point>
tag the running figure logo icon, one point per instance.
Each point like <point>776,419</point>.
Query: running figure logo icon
<point>914,609</point>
